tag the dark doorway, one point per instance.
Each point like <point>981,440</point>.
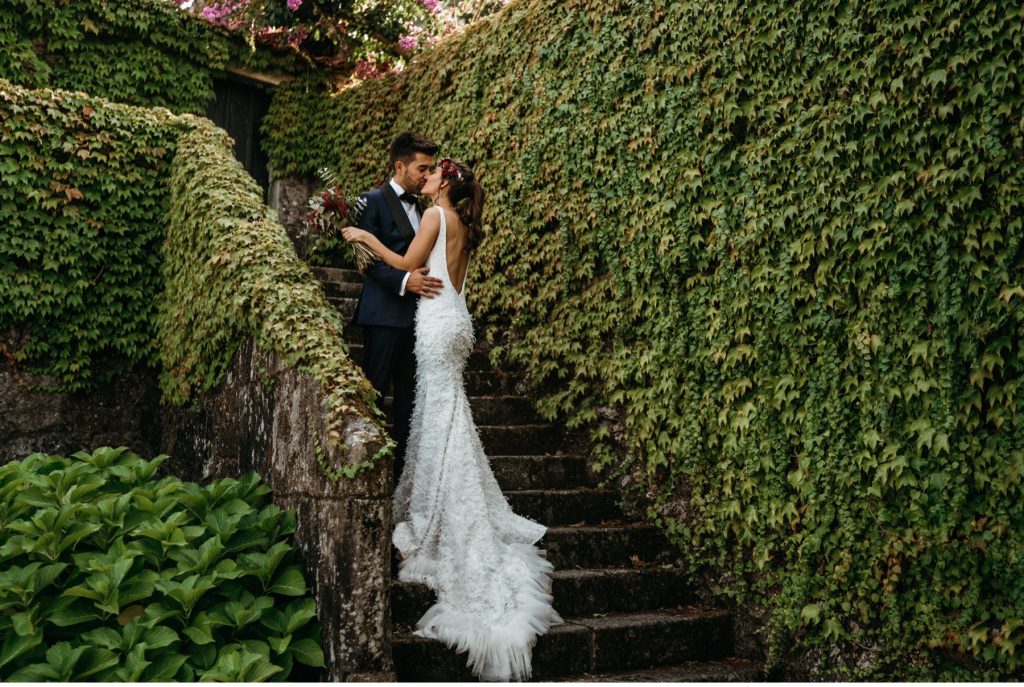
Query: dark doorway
<point>238,107</point>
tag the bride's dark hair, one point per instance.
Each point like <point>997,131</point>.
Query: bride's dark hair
<point>467,195</point>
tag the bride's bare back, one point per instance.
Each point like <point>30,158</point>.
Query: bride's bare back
<point>458,256</point>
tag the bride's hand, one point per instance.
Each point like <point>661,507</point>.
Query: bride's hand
<point>354,234</point>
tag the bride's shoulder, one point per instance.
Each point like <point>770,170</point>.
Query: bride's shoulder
<point>439,214</point>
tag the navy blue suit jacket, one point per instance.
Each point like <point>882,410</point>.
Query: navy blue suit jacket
<point>380,305</point>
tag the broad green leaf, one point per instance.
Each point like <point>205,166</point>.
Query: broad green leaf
<point>66,611</point>
<point>105,637</point>
<point>307,651</point>
<point>290,583</point>
<point>37,672</point>
<point>23,623</point>
<point>299,613</point>
<point>94,661</point>
<point>135,663</point>
<point>15,645</point>
<point>279,644</point>
<point>164,668</point>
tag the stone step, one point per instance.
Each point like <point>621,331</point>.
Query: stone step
<point>617,641</point>
<point>342,289</point>
<point>504,410</point>
<point>478,360</point>
<point>523,440</point>
<point>353,334</point>
<point>516,473</point>
<point>719,670</point>
<point>345,306</point>
<point>355,353</point>
<point>607,545</point>
<point>577,592</point>
<point>563,650</point>
<point>494,410</point>
<point>619,590</point>
<point>554,507</point>
<point>613,544</point>
<point>490,383</point>
<point>334,274</point>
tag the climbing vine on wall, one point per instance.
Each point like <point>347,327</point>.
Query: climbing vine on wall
<point>141,52</point>
<point>784,241</point>
<point>82,214</point>
<point>230,274</point>
<point>132,237</point>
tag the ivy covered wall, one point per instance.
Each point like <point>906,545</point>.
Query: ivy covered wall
<point>231,275</point>
<point>783,240</point>
<point>133,243</point>
<point>141,52</point>
<point>83,209</point>
<point>132,238</point>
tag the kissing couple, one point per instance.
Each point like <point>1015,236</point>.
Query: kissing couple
<point>454,530</point>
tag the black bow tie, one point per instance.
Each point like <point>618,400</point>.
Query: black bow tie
<point>409,198</point>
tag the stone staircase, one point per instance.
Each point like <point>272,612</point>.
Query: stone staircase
<point>631,614</point>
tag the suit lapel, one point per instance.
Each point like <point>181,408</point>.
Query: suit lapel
<point>398,212</point>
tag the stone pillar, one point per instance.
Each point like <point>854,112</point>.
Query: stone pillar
<point>270,418</point>
<point>289,198</point>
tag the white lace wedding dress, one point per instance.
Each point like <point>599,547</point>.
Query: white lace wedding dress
<point>454,529</point>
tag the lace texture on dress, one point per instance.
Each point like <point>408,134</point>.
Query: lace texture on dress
<point>454,529</point>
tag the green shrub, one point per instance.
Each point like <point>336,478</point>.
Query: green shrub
<point>108,573</point>
<point>784,241</point>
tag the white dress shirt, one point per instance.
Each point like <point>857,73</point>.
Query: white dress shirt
<point>414,219</point>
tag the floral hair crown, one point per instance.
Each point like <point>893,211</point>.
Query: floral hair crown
<point>448,169</point>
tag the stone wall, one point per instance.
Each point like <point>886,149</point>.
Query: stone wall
<point>268,417</point>
<point>126,413</point>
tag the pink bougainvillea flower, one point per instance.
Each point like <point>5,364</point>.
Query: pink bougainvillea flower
<point>407,43</point>
<point>294,4</point>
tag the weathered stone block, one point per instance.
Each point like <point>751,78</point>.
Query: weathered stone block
<point>289,197</point>
<point>126,413</point>
<point>347,548</point>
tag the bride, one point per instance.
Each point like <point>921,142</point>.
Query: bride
<point>455,531</point>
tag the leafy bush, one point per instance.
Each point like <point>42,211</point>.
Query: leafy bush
<point>109,573</point>
<point>783,240</point>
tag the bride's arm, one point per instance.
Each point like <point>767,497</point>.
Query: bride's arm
<point>418,251</point>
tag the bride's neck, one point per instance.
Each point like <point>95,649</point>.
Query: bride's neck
<point>444,203</point>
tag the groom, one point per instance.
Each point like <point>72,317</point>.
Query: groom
<point>387,305</point>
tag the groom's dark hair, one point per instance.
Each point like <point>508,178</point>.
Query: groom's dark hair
<point>407,144</point>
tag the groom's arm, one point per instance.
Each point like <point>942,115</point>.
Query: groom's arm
<point>391,279</point>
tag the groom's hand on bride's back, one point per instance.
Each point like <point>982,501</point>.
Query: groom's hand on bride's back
<point>422,285</point>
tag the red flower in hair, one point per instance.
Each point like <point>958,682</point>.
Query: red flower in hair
<point>449,170</point>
